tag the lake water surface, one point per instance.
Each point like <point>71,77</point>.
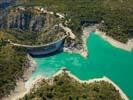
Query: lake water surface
<point>103,60</point>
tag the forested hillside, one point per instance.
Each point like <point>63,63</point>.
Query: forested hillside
<point>116,15</point>
<point>12,65</point>
<point>63,87</point>
<point>28,25</point>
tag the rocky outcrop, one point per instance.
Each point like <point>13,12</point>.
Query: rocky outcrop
<point>25,19</point>
<point>36,19</point>
<point>6,3</point>
<point>3,1</point>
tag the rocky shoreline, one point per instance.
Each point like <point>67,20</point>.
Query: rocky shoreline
<point>125,46</point>
<point>106,79</point>
<point>20,89</point>
<point>86,32</point>
<point>39,79</point>
<point>84,50</point>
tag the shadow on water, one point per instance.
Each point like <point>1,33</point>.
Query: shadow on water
<point>48,55</point>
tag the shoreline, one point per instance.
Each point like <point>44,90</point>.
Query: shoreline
<point>20,89</point>
<point>86,32</point>
<point>128,46</point>
<point>84,51</point>
<point>104,78</point>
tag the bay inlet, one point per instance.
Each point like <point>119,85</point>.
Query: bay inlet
<point>103,60</point>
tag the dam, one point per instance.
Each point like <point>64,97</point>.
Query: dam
<point>46,49</point>
<point>42,50</point>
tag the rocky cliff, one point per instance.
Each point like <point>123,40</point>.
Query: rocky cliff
<point>31,18</point>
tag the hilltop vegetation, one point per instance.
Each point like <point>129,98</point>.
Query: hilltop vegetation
<point>29,25</point>
<point>12,65</point>
<point>25,27</point>
<point>63,87</point>
<point>117,15</point>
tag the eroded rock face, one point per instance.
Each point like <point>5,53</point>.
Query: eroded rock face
<point>2,1</point>
<point>33,26</point>
<point>6,3</point>
<point>32,18</point>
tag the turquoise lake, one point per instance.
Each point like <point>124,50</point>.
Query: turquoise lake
<point>103,60</point>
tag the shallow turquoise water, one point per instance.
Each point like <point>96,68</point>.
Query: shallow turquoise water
<point>103,60</point>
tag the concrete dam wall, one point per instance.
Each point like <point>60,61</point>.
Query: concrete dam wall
<point>39,50</point>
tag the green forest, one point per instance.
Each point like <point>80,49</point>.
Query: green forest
<point>117,19</point>
<point>63,87</point>
<point>30,27</point>
<point>117,15</point>
<point>12,65</point>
